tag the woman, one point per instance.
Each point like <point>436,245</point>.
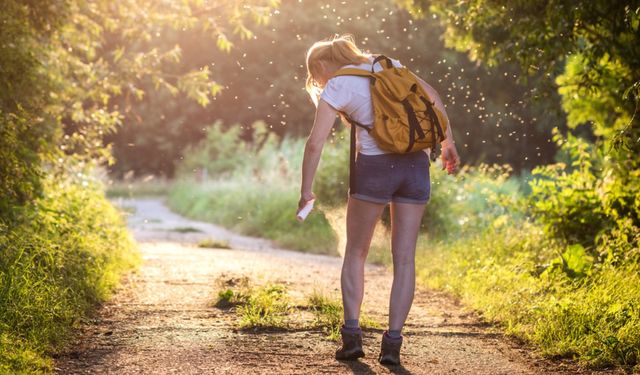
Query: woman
<point>382,178</point>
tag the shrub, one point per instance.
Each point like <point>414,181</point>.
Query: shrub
<point>55,266</point>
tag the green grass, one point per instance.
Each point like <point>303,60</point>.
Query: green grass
<point>515,278</point>
<point>254,209</point>
<point>211,243</point>
<point>269,306</point>
<point>328,314</point>
<point>186,230</point>
<point>146,187</point>
<point>266,306</point>
<point>65,257</point>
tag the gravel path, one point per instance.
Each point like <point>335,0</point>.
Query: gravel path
<point>161,320</point>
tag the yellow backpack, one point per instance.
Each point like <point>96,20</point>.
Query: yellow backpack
<point>405,119</point>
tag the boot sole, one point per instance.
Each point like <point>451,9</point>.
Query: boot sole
<point>351,357</point>
<point>389,362</point>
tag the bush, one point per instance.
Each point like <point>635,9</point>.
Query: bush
<point>470,201</point>
<point>55,266</point>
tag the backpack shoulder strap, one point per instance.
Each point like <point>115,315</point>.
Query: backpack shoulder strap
<point>353,72</point>
<point>382,58</point>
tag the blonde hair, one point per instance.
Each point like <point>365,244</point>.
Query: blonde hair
<point>339,50</point>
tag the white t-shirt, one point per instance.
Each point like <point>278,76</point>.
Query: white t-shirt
<point>352,95</point>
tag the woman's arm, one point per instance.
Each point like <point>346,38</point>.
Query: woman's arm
<point>325,117</point>
<point>450,158</point>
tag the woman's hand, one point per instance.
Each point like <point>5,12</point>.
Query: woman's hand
<point>450,158</point>
<point>304,198</point>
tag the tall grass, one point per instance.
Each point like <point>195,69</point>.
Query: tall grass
<point>67,255</point>
<point>257,195</point>
<point>514,275</point>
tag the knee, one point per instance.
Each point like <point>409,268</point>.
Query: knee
<point>358,253</point>
<point>403,259</point>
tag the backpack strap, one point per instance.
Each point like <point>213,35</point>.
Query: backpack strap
<point>356,72</point>
<point>353,72</point>
<point>382,58</point>
<point>352,151</point>
<point>436,124</point>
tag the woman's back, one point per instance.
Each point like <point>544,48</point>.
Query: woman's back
<point>352,95</point>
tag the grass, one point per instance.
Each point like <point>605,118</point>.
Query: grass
<point>149,186</point>
<point>270,307</point>
<point>266,306</point>
<point>266,210</point>
<point>328,314</point>
<point>214,244</point>
<point>186,230</point>
<point>509,275</point>
<point>55,266</point>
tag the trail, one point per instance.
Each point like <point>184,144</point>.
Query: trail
<point>161,320</point>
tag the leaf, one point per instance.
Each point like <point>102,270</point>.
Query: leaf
<point>223,43</point>
<point>577,259</point>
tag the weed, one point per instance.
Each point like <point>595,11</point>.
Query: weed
<point>146,187</point>
<point>186,230</point>
<point>214,244</point>
<point>329,314</point>
<point>228,298</point>
<point>265,307</point>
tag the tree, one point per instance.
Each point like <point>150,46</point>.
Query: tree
<point>588,47</point>
<point>263,79</point>
<point>589,51</point>
<point>66,63</point>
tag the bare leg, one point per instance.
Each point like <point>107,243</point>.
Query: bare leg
<point>361,221</point>
<point>405,225</point>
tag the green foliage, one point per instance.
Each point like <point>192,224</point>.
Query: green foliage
<point>26,132</point>
<point>256,195</point>
<point>590,50</point>
<point>570,278</point>
<point>70,70</point>
<point>146,187</point>
<point>567,199</point>
<point>19,161</point>
<point>222,151</point>
<point>265,307</point>
<point>562,303</point>
<point>266,210</point>
<point>474,199</point>
<point>55,266</point>
<point>331,184</point>
<point>576,204</point>
<point>18,357</point>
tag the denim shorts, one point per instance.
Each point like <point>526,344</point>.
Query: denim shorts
<point>401,178</point>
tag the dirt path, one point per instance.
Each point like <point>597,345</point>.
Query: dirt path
<point>161,320</point>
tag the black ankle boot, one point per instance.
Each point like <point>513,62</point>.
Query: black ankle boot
<point>351,345</point>
<point>390,350</point>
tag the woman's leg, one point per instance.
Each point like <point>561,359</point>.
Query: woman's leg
<point>362,217</point>
<point>405,225</point>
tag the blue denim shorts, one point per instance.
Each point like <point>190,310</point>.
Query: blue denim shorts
<point>401,178</point>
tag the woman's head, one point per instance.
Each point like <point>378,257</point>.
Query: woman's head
<point>324,58</point>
